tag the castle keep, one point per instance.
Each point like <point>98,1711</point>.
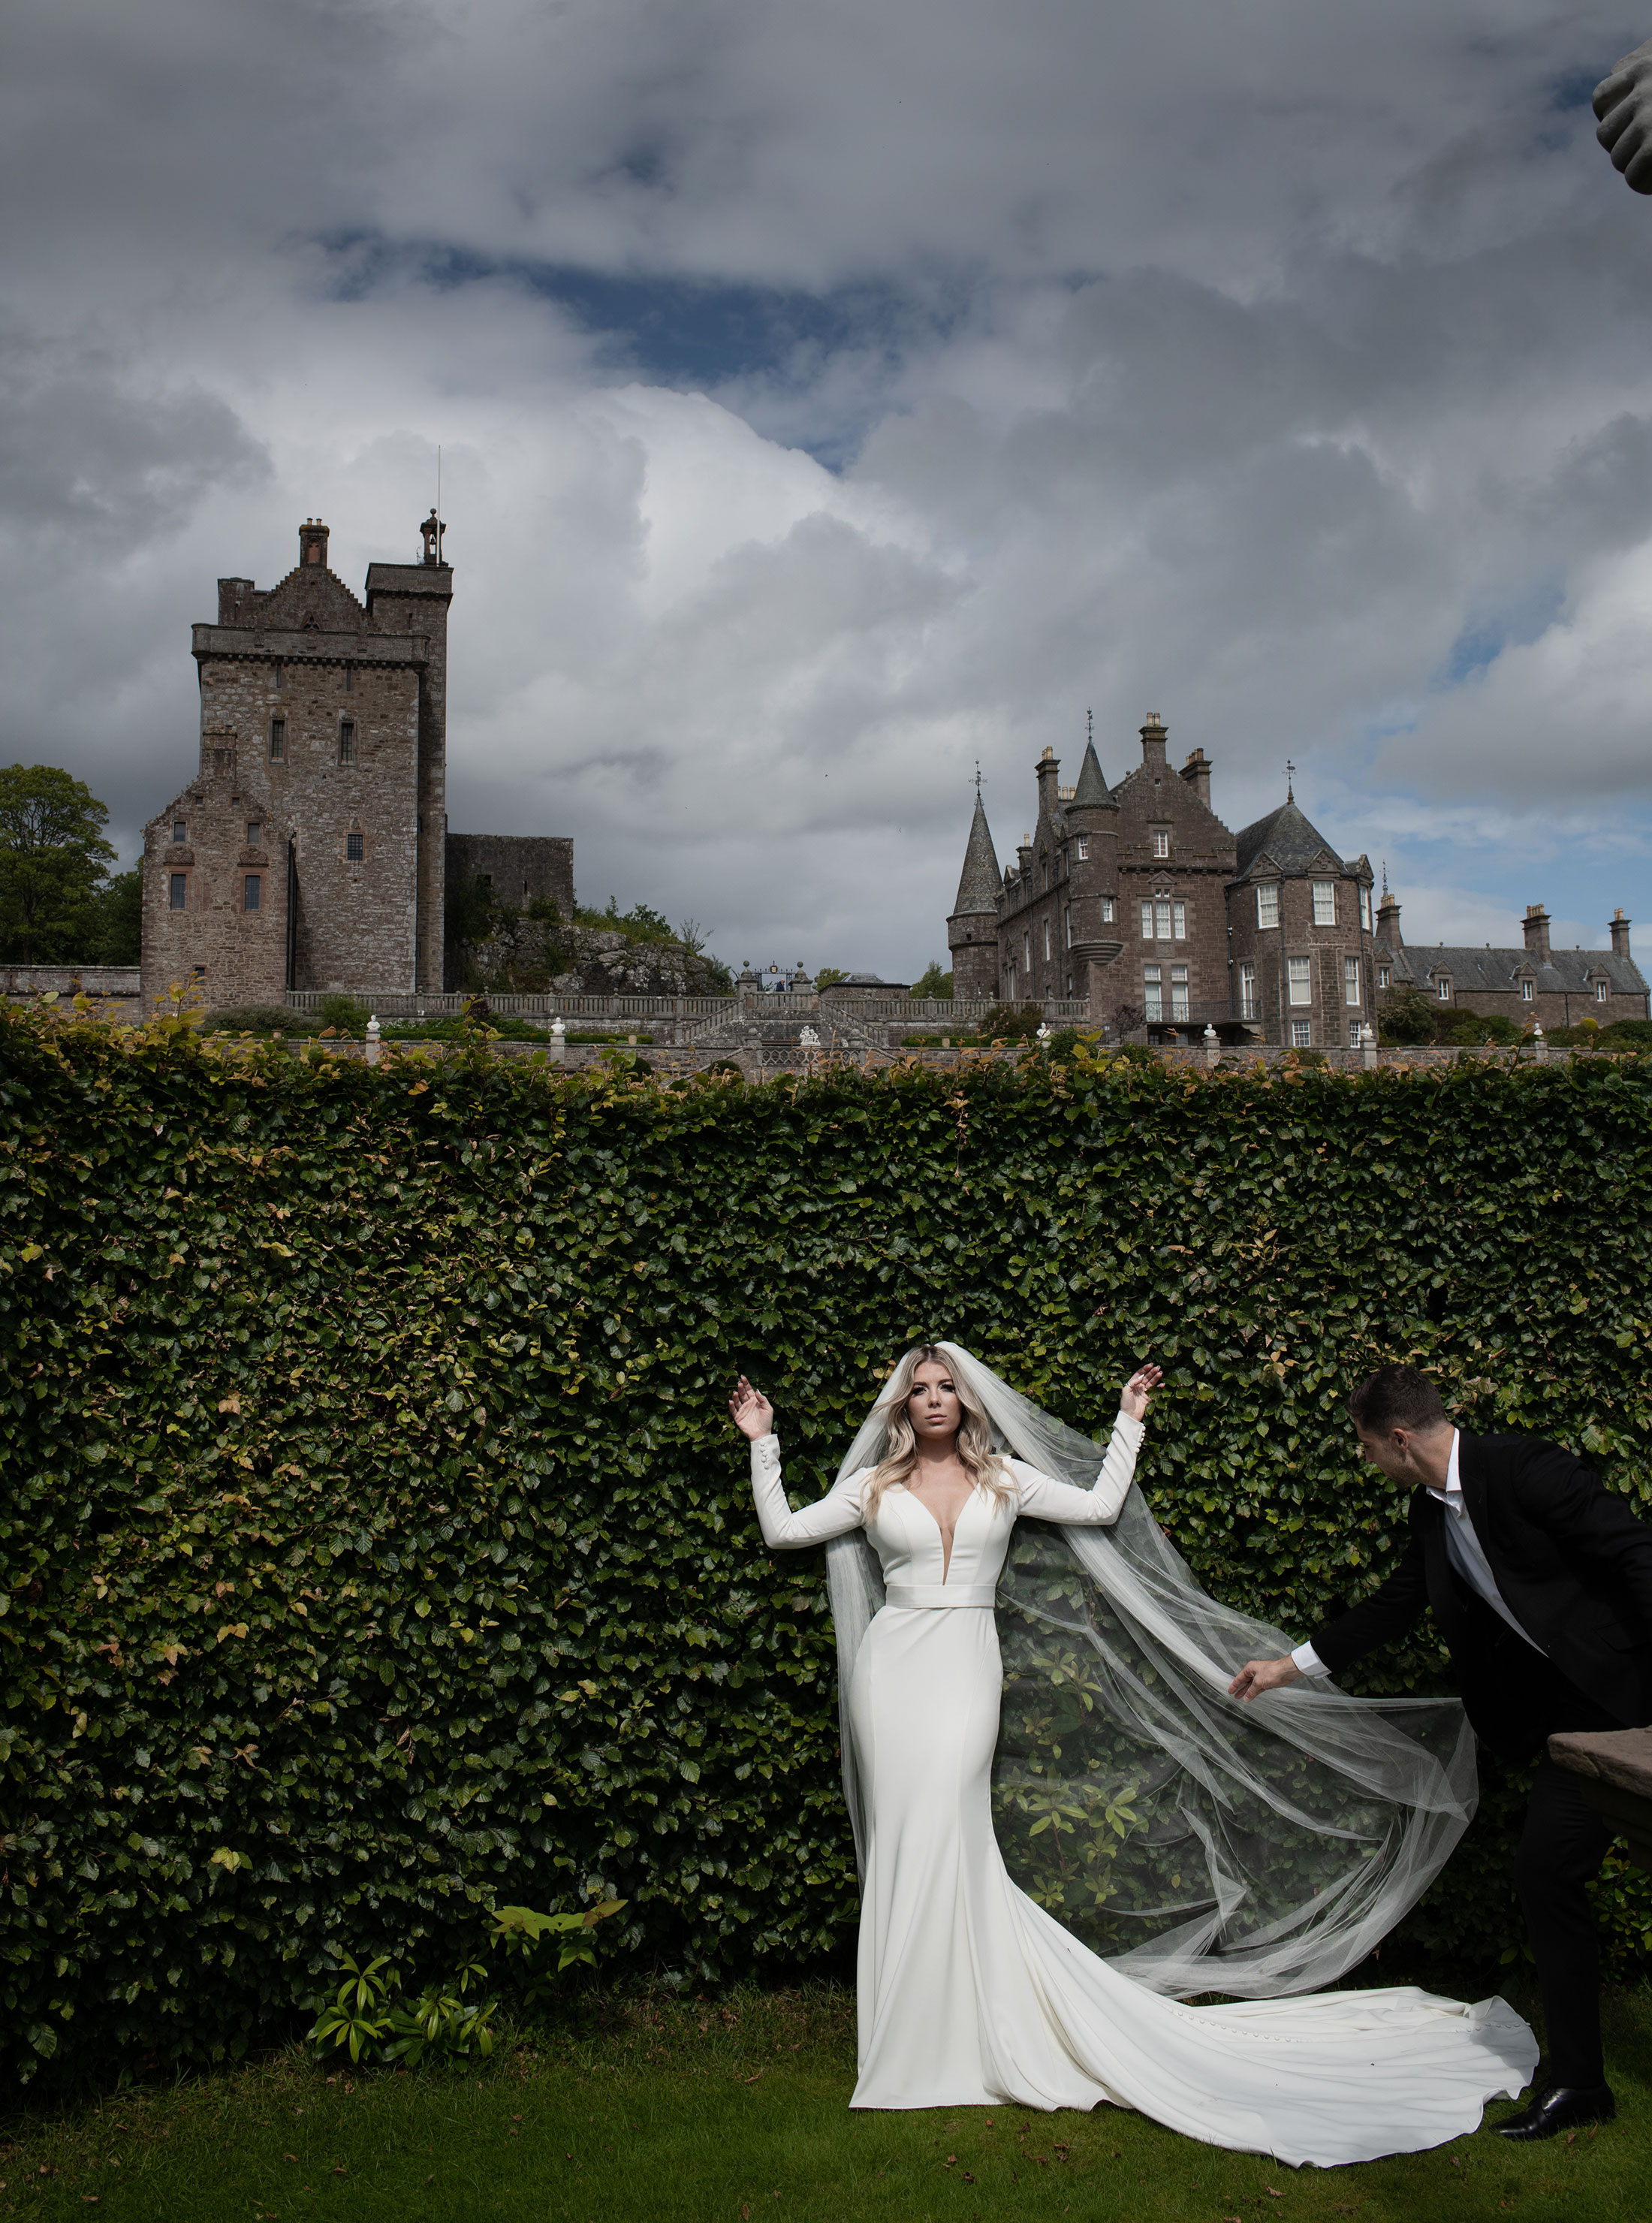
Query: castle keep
<point>310,850</point>
<point>1139,899</point>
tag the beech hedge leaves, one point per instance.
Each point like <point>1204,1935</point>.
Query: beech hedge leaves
<point>376,1548</point>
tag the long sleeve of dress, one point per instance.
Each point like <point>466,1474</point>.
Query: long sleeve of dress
<point>1045,1499</point>
<point>834,1515</point>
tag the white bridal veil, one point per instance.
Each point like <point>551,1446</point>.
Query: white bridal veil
<point>1200,1844</point>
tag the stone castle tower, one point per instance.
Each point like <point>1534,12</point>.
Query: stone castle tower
<point>309,850</point>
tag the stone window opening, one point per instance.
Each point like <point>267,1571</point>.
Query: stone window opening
<point>1365,910</point>
<point>1066,923</point>
<point>1442,989</point>
<point>198,974</point>
<point>1324,903</point>
<point>1384,976</point>
<point>349,679</point>
<point>178,895</point>
<point>347,741</point>
<point>278,675</point>
<point>1355,1035</point>
<point>1247,991</point>
<point>1161,841</point>
<point>252,897</point>
<point>278,740</point>
<point>1350,980</point>
<point>1299,973</point>
<point>1301,1034</point>
<point>254,833</point>
<point>1107,911</point>
<point>1178,992</point>
<point>1151,993</point>
<point>1161,922</point>
<point>1178,922</point>
<point>1046,940</point>
<point>1146,922</point>
<point>1267,904</point>
<point>1601,990</point>
<point>1083,849</point>
<point>354,846</point>
<point>1526,988</point>
<point>179,831</point>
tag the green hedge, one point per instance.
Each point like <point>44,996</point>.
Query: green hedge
<point>374,1542</point>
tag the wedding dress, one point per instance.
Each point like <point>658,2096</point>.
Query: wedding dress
<point>971,1993</point>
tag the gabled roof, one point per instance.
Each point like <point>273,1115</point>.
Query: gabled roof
<point>1092,788</point>
<point>978,883</point>
<point>308,595</point>
<point>1285,841</point>
<point>1563,971</point>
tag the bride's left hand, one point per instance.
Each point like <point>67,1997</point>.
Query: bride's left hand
<point>1137,1392</point>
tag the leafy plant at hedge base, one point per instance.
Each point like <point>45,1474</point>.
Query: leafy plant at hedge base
<point>368,2014</point>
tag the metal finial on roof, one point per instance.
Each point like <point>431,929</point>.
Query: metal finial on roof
<point>1290,775</point>
<point>1090,728</point>
<point>1385,876</point>
<point>978,779</point>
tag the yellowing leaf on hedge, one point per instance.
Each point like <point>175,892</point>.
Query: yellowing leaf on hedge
<point>223,1858</point>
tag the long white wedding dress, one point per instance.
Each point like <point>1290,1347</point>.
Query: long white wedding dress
<point>971,1995</point>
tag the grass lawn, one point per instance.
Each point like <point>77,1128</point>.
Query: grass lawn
<point>678,2108</point>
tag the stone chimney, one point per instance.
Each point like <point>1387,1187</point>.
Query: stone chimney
<point>1620,927</point>
<point>235,602</point>
<point>1388,920</point>
<point>1534,926</point>
<point>1024,854</point>
<point>1197,772</point>
<point>1049,775</point>
<point>312,544</point>
<point>1153,739</point>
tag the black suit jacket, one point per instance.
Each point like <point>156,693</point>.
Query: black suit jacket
<point>1572,1563</point>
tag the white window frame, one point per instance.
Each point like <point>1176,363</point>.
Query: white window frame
<point>1147,921</point>
<point>1324,903</point>
<point>1161,841</point>
<point>1178,922</point>
<point>1299,976</point>
<point>1066,924</point>
<point>1152,994</point>
<point>1365,907</point>
<point>1046,938</point>
<point>1442,988</point>
<point>1083,849</point>
<point>1301,1034</point>
<point>1267,904</point>
<point>1027,950</point>
<point>1355,1034</point>
<point>1351,980</point>
<point>1162,919</point>
<point>1248,990</point>
<point>1384,976</point>
<point>1107,911</point>
<point>1603,989</point>
<point>1527,991</point>
<point>1178,1005</point>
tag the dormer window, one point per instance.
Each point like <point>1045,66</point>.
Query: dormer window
<point>347,741</point>
<point>1267,904</point>
<point>1365,909</point>
<point>1384,976</point>
<point>1442,988</point>
<point>179,831</point>
<point>1528,989</point>
<point>1161,841</point>
<point>1601,990</point>
<point>1324,903</point>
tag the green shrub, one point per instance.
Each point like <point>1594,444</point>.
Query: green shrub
<point>262,1020</point>
<point>376,1546</point>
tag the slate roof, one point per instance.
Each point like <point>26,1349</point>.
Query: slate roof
<point>1285,838</point>
<point>1092,788</point>
<point>1564,971</point>
<point>979,883</point>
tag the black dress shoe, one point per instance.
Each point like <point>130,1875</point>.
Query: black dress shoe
<point>1562,2107</point>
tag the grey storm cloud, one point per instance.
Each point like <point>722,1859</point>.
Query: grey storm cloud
<point>831,398</point>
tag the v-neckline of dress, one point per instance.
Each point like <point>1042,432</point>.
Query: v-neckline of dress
<point>946,1549</point>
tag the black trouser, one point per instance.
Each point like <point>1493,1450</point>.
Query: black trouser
<point>1561,1848</point>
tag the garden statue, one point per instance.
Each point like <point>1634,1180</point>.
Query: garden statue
<point>1622,101</point>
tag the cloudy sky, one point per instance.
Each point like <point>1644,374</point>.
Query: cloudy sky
<point>833,395</point>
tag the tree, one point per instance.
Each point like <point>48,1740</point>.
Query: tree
<point>117,920</point>
<point>933,981</point>
<point>53,859</point>
<point>1406,1017</point>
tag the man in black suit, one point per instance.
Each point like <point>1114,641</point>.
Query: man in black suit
<point>1541,1583</point>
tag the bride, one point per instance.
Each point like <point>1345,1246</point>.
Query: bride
<point>1230,1850</point>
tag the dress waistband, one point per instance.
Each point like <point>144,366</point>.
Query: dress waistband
<point>906,1595</point>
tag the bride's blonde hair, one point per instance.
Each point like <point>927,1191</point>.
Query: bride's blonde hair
<point>981,1461</point>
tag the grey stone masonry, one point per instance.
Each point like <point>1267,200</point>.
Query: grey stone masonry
<point>217,887</point>
<point>332,713</point>
<point>972,928</point>
<point>1300,935</point>
<point>520,868</point>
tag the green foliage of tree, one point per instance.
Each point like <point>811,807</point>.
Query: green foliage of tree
<point>1406,1017</point>
<point>376,1547</point>
<point>828,977</point>
<point>116,930</point>
<point>1472,1029</point>
<point>640,923</point>
<point>933,981</point>
<point>53,860</point>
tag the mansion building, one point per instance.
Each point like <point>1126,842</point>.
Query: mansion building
<point>1140,899</point>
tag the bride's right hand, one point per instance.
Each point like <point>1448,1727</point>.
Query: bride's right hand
<point>751,1411</point>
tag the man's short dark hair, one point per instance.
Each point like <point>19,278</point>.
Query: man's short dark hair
<point>1396,1397</point>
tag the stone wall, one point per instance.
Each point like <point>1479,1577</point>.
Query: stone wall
<point>215,901</point>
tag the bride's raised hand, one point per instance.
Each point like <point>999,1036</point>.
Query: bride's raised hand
<point>751,1411</point>
<point>1137,1392</point>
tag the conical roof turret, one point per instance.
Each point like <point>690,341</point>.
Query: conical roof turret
<point>1092,788</point>
<point>980,882</point>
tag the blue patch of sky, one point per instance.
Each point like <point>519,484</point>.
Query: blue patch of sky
<point>1574,88</point>
<point>678,330</point>
<point>1485,637</point>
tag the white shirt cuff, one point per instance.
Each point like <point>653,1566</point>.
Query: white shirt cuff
<point>1307,1661</point>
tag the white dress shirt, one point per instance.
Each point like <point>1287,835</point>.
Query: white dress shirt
<point>1463,1550</point>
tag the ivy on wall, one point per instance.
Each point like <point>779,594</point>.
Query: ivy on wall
<point>376,1546</point>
